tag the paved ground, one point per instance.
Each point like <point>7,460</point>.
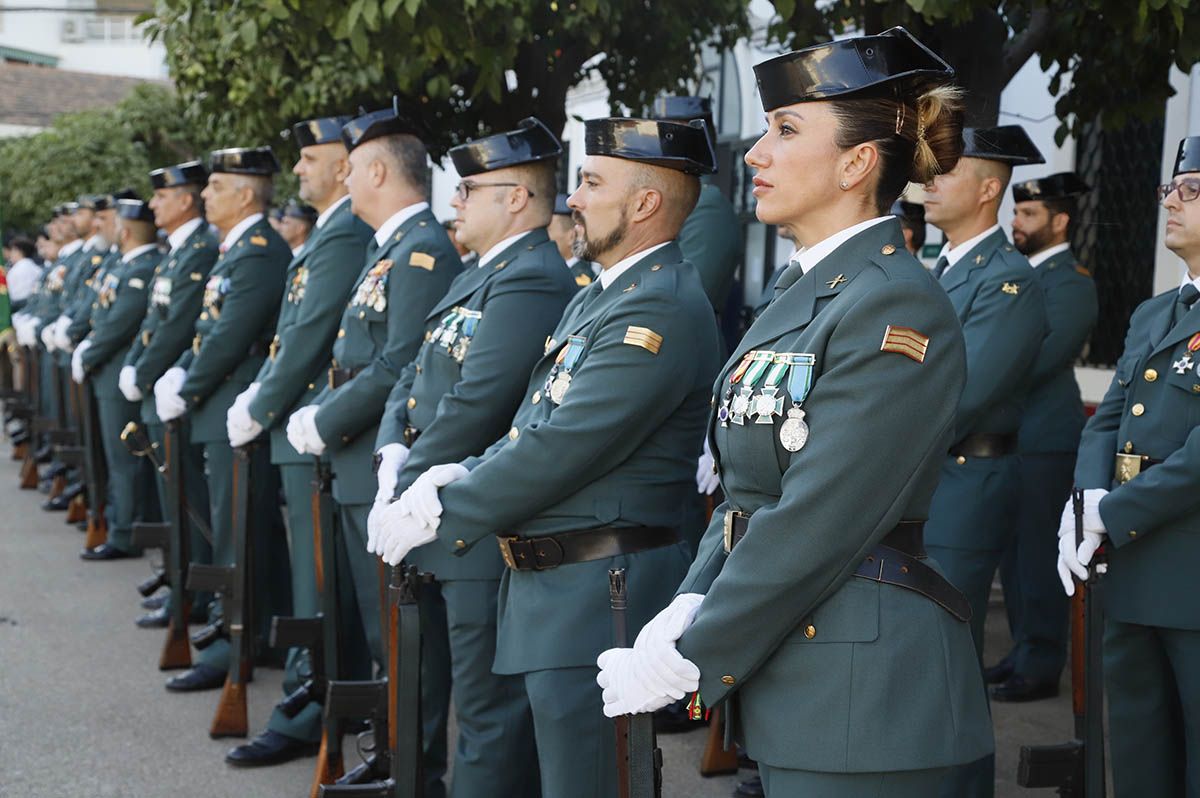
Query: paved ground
<point>83,711</point>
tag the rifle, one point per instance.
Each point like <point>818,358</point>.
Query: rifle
<point>319,635</point>
<point>171,536</point>
<point>639,759</point>
<point>233,583</point>
<point>94,469</point>
<point>29,474</point>
<point>1076,768</point>
<point>719,757</point>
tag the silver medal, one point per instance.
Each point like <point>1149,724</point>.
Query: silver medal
<point>793,432</point>
<point>741,404</point>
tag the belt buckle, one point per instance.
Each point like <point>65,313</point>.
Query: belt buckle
<point>505,543</point>
<point>728,531</point>
<point>332,379</point>
<point>273,349</point>
<point>196,344</point>
<point>1128,466</point>
<point>409,435</point>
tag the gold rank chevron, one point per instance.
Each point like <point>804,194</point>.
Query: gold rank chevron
<point>645,338</point>
<point>421,260</point>
<point>905,341</point>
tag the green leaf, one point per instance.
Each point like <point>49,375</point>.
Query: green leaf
<point>411,7</point>
<point>358,42</point>
<point>249,32</point>
<point>352,14</point>
<point>389,8</point>
<point>370,13</point>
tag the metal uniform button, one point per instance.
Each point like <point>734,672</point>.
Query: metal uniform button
<point>1132,533</point>
<point>513,434</point>
<point>810,631</point>
<point>460,544</point>
<point>960,460</point>
<point>1138,409</point>
<point>342,333</point>
<point>537,397</point>
<point>412,402</point>
<point>1151,375</point>
<point>727,679</point>
<point>428,335</point>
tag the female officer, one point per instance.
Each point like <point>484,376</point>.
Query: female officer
<point>844,657</point>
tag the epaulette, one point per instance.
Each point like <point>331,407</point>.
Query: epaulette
<point>1082,270</point>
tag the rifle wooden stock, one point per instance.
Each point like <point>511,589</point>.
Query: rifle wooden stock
<point>717,760</point>
<point>57,486</point>
<point>29,474</point>
<point>20,451</point>
<point>330,765</point>
<point>77,509</point>
<point>176,652</point>
<point>230,718</point>
<point>95,475</point>
<point>639,759</point>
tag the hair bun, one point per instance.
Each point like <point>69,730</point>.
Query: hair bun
<point>939,133</point>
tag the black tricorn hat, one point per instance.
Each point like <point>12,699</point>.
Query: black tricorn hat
<point>683,147</point>
<point>560,206</point>
<point>298,210</point>
<point>68,208</point>
<point>374,124</point>
<point>531,142</point>
<point>134,210</point>
<point>847,66</point>
<point>92,202</point>
<point>324,130</point>
<point>1008,144</point>
<point>181,174</point>
<point>259,161</point>
<point>1188,157</point>
<point>1051,187</point>
<point>682,109</point>
<point>912,212</point>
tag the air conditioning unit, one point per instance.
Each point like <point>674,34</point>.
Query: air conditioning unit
<point>73,30</point>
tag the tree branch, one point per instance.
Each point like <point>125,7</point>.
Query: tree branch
<point>1021,47</point>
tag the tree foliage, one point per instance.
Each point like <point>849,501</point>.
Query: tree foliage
<point>255,68</point>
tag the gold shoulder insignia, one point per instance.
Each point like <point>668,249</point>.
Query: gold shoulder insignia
<point>96,259</point>
<point>196,277</point>
<point>978,259</point>
<point>258,241</point>
<point>1008,248</point>
<point>1011,288</point>
<point>137,282</point>
<point>629,288</point>
<point>905,341</point>
<point>1082,270</point>
<point>645,338</point>
<point>421,260</point>
<point>549,345</point>
<point>500,265</point>
<point>888,249</point>
<point>582,280</point>
<point>198,245</point>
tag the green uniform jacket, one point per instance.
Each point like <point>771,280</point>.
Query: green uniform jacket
<point>620,451</point>
<point>380,334</point>
<point>176,294</point>
<point>819,659</point>
<point>319,280</point>
<point>1053,417</point>
<point>241,298</point>
<point>49,307</point>
<point>467,381</point>
<point>711,240</point>
<point>119,309</point>
<point>81,306</point>
<point>1151,408</point>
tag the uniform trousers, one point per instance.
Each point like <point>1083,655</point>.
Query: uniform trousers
<point>195,490</point>
<point>1152,676</point>
<point>785,783</point>
<point>131,493</point>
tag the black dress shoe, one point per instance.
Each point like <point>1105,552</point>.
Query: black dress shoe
<point>999,672</point>
<point>750,788</point>
<point>157,601</point>
<point>59,503</point>
<point>744,760</point>
<point>197,677</point>
<point>674,719</point>
<point>269,748</point>
<point>155,619</point>
<point>106,552</point>
<point>1018,689</point>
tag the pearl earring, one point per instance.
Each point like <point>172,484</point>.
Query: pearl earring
<point>845,185</point>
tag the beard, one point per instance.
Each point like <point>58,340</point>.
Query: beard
<point>588,249</point>
<point>1032,242</point>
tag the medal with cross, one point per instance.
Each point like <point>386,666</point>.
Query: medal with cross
<point>1182,365</point>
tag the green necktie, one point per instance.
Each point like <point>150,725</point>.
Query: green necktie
<point>940,267</point>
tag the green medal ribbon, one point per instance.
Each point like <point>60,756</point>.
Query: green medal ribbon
<point>761,361</point>
<point>800,380</point>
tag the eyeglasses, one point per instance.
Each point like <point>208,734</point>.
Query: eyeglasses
<point>1188,189</point>
<point>464,189</point>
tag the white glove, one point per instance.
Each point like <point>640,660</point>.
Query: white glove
<point>127,382</point>
<point>47,336</point>
<point>375,527</point>
<point>400,533</point>
<point>167,402</point>
<point>707,479</point>
<point>240,426</point>
<point>61,339</point>
<point>421,499</point>
<point>1072,559</point>
<point>392,458</point>
<point>24,328</point>
<point>77,373</point>
<point>302,431</point>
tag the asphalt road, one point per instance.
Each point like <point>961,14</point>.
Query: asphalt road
<point>83,712</point>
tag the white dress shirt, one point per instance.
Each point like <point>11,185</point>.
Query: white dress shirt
<point>1047,254</point>
<point>183,232</point>
<point>956,254</point>
<point>620,267</point>
<point>809,257</point>
<point>239,229</point>
<point>396,219</point>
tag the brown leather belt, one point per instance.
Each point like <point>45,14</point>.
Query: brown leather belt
<point>896,560</point>
<point>1130,465</point>
<point>410,435</point>
<point>339,377</point>
<point>565,548</point>
<point>985,444</point>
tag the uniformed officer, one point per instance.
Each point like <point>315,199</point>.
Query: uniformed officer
<point>232,335</point>
<point>319,280</point>
<point>176,295</point>
<point>601,453</point>
<point>120,306</point>
<point>409,266</point>
<point>297,223</point>
<point>1141,507</point>
<point>1049,436</point>
<point>1003,316</point>
<point>79,312</point>
<point>562,233</point>
<point>818,607</point>
<point>458,396</point>
<point>912,222</point>
<point>711,238</point>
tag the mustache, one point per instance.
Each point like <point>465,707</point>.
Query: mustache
<point>577,218</point>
